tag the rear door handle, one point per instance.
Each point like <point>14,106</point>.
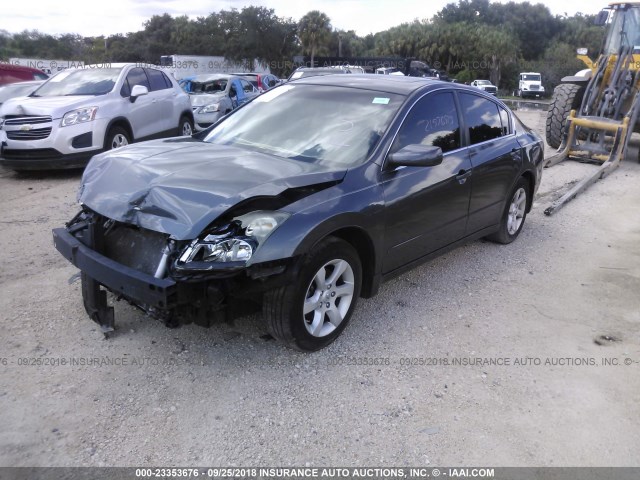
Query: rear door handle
<point>462,176</point>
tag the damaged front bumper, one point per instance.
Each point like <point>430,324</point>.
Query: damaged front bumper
<point>154,292</point>
<point>202,297</point>
<point>97,270</point>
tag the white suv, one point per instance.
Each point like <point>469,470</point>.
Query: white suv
<point>81,112</point>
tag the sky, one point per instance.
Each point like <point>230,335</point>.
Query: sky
<point>95,18</point>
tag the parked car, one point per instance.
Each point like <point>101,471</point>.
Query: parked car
<point>10,73</point>
<point>213,96</point>
<point>365,177</point>
<point>261,81</point>
<point>80,112</point>
<point>306,72</point>
<point>486,86</point>
<point>355,69</point>
<point>389,71</point>
<point>18,89</point>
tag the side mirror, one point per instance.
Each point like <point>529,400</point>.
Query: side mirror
<point>138,91</point>
<point>416,156</point>
<point>601,18</point>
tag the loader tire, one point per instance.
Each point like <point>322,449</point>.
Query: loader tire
<point>566,97</point>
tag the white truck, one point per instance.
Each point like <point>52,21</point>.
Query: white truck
<point>184,66</point>
<point>530,85</point>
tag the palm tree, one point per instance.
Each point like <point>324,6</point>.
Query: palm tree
<point>314,30</point>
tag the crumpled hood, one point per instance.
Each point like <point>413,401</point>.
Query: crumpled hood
<point>56,107</point>
<point>200,99</point>
<point>179,186</point>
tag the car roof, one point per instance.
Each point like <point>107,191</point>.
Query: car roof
<point>21,68</point>
<point>383,83</point>
<point>394,84</point>
<point>116,65</point>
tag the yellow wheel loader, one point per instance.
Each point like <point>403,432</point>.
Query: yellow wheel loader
<point>593,114</point>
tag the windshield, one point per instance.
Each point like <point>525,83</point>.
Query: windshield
<point>210,86</point>
<point>531,78</point>
<point>97,81</point>
<point>483,82</point>
<point>624,30</point>
<point>330,126</point>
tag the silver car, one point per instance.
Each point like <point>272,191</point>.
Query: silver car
<point>214,95</point>
<point>81,112</point>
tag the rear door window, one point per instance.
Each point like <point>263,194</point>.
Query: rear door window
<point>506,124</point>
<point>157,80</point>
<point>481,117</point>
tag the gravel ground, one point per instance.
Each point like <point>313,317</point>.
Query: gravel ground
<point>229,396</point>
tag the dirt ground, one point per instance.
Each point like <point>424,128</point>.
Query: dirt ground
<point>556,393</point>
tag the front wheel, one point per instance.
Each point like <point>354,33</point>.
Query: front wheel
<point>514,214</point>
<point>186,127</point>
<point>311,313</point>
<point>116,138</point>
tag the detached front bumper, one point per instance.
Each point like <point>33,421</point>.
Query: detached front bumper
<point>153,292</point>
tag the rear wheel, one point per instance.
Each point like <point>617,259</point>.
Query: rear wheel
<point>116,138</point>
<point>566,97</point>
<point>514,214</point>
<point>311,313</point>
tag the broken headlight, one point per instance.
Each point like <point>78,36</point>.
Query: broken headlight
<point>235,242</point>
<point>214,249</point>
<point>261,224</point>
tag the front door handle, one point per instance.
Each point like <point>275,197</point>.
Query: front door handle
<point>462,176</point>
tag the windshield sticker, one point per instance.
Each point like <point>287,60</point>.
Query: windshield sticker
<point>296,75</point>
<point>381,101</point>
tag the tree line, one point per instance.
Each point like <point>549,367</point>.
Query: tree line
<point>469,39</point>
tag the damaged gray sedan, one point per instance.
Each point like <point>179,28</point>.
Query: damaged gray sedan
<point>364,178</point>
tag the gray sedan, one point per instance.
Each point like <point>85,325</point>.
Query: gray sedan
<point>214,95</point>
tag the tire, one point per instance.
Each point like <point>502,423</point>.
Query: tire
<point>566,97</point>
<point>116,137</point>
<point>330,304</point>
<point>185,129</point>
<point>514,214</point>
